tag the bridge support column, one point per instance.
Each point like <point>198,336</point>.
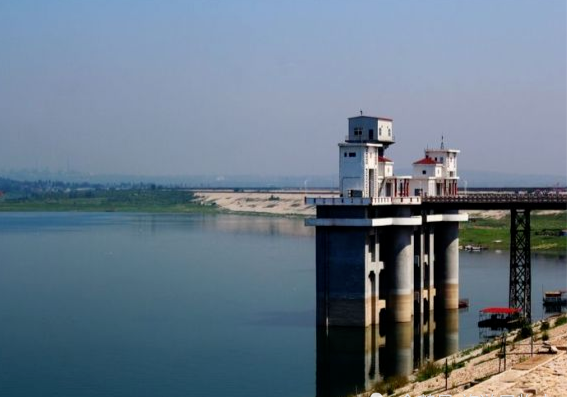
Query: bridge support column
<point>348,276</point>
<point>401,262</point>
<point>520,263</point>
<point>428,267</point>
<point>447,265</point>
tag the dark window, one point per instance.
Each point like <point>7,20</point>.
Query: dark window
<point>345,154</point>
<point>352,154</point>
<point>424,172</point>
<point>371,134</point>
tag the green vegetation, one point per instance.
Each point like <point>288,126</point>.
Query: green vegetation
<point>390,385</point>
<point>560,321</point>
<point>525,332</point>
<point>544,326</point>
<point>490,348</point>
<point>143,199</point>
<point>427,371</point>
<point>495,233</point>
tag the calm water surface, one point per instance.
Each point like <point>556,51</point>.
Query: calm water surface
<point>181,305</point>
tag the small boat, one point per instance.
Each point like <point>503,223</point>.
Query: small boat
<point>474,248</point>
<point>463,303</point>
<point>499,317</point>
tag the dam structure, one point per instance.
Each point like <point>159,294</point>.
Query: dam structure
<point>381,254</point>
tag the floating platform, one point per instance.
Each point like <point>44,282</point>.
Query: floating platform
<point>499,317</point>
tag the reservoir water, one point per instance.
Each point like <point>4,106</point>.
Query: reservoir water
<point>194,305</point>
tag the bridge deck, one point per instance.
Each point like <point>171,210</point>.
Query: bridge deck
<point>497,202</point>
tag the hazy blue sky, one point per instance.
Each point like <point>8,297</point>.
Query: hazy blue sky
<point>265,87</point>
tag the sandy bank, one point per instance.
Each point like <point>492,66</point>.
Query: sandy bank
<point>276,203</point>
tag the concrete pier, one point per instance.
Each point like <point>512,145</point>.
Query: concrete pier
<point>368,261</point>
<point>447,265</point>
<point>400,268</point>
<point>346,289</point>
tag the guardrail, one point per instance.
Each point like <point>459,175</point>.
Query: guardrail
<point>498,198</point>
<point>416,200</point>
<point>410,200</point>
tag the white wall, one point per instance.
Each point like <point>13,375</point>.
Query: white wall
<point>351,169</point>
<point>385,130</point>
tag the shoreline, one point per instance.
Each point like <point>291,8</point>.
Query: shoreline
<point>486,229</point>
<point>476,370</point>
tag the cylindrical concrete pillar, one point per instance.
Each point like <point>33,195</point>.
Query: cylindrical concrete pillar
<point>401,289</point>
<point>447,265</point>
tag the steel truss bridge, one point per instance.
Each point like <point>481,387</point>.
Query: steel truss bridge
<point>520,206</point>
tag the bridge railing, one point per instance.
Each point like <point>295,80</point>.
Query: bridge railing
<point>497,198</point>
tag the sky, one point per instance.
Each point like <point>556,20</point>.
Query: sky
<point>265,87</point>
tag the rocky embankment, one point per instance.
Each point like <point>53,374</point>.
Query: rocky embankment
<point>481,372</point>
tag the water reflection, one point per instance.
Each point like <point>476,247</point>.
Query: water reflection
<point>354,360</point>
<point>233,224</point>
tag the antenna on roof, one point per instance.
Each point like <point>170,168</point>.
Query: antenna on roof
<point>442,144</point>
<point>361,112</point>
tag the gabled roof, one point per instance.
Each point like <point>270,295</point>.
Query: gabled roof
<point>426,161</point>
<point>382,159</point>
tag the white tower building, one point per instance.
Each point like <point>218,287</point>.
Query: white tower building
<point>362,165</point>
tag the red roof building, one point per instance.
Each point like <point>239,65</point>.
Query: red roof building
<point>426,161</point>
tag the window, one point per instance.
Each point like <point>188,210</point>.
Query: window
<point>441,159</point>
<point>352,154</point>
<point>424,172</point>
<point>389,132</point>
<point>345,154</point>
<point>357,131</point>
